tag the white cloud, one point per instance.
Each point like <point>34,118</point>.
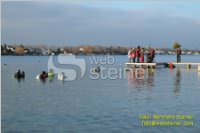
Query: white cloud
<point>35,23</point>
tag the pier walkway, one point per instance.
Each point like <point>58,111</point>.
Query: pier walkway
<point>165,64</point>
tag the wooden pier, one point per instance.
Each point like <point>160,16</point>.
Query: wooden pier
<point>165,64</point>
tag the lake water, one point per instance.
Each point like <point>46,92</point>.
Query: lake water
<point>101,105</point>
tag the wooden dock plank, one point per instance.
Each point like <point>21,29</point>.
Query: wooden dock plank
<point>147,64</point>
<point>185,63</point>
<point>164,63</point>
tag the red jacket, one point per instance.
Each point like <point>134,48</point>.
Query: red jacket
<point>142,57</point>
<point>132,55</point>
<point>137,52</point>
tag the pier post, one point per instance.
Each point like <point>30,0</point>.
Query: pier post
<point>188,66</point>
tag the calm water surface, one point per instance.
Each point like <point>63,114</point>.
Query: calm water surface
<point>100,106</point>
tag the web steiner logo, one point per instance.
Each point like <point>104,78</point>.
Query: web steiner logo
<point>66,68</point>
<point>139,73</point>
<point>67,60</point>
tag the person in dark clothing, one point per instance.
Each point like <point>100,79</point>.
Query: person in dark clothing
<point>142,55</point>
<point>137,53</point>
<point>152,54</point>
<point>149,58</point>
<point>178,54</point>
<point>18,74</point>
<point>23,74</point>
<point>43,75</point>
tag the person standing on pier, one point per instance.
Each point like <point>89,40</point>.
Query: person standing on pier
<point>178,53</point>
<point>152,54</point>
<point>129,55</point>
<point>142,55</point>
<point>133,55</point>
<point>148,57</point>
<point>137,53</point>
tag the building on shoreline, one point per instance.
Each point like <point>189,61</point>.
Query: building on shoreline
<point>83,50</point>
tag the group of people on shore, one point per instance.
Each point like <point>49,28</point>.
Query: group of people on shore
<point>137,55</point>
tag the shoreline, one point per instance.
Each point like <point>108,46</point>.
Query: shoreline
<point>103,55</point>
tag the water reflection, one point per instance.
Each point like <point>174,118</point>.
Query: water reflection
<point>138,77</point>
<point>50,79</point>
<point>20,79</point>
<point>43,81</point>
<point>177,81</point>
<point>198,74</point>
<point>150,77</point>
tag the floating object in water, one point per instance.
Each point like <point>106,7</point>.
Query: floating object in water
<point>97,69</point>
<point>171,66</point>
<point>50,78</point>
<point>51,73</point>
<point>43,75</point>
<point>61,76</point>
<point>19,74</point>
<point>38,76</point>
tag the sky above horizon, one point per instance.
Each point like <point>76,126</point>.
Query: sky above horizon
<point>155,23</point>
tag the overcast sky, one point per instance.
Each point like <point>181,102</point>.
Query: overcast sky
<point>155,23</point>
